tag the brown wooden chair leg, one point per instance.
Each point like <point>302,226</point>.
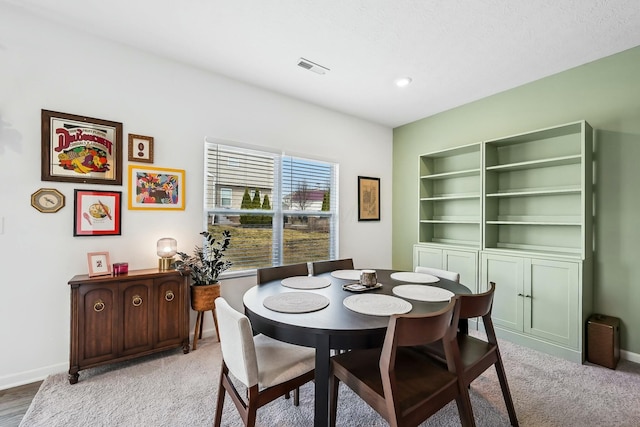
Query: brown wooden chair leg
<point>506,394</point>
<point>221,391</point>
<point>296,397</point>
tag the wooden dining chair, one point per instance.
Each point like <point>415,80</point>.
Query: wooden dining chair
<point>449,275</point>
<point>268,274</point>
<point>268,368</point>
<point>320,267</point>
<point>478,355</point>
<point>404,386</point>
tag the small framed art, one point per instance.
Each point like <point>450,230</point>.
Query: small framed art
<point>140,148</point>
<point>156,188</point>
<point>99,264</point>
<point>80,149</point>
<point>97,213</point>
<point>368,198</point>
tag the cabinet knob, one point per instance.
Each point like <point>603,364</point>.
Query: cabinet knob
<point>98,306</point>
<point>527,296</point>
<point>136,300</point>
<point>169,296</point>
<point>520,295</point>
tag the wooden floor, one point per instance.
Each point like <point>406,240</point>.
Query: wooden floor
<point>14,402</point>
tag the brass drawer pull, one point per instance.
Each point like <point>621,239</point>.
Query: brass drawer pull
<point>169,296</point>
<point>136,301</point>
<point>98,306</point>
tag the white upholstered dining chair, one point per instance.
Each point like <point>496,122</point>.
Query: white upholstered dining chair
<point>267,367</point>
<point>449,275</point>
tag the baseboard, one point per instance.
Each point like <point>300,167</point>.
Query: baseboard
<point>28,377</point>
<point>631,357</point>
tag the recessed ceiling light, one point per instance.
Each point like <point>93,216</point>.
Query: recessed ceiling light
<point>404,81</point>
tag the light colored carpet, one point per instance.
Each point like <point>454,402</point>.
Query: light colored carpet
<point>174,389</point>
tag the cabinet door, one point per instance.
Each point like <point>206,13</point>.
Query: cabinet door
<point>427,257</point>
<point>169,298</point>
<point>552,300</point>
<point>97,323</point>
<point>508,274</point>
<point>136,308</point>
<point>465,263</point>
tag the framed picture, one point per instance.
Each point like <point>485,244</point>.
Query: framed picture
<point>140,148</point>
<point>99,264</point>
<point>81,149</point>
<point>156,188</point>
<point>368,198</point>
<point>97,213</point>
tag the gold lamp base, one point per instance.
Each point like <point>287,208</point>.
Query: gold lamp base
<point>164,264</point>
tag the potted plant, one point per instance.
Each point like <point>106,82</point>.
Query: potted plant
<point>204,267</point>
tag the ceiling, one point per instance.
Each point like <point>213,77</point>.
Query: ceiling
<point>455,51</point>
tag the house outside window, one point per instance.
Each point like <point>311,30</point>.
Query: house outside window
<point>279,209</point>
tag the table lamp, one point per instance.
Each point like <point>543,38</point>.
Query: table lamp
<point>166,247</point>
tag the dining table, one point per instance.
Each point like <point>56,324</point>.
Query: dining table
<point>331,325</point>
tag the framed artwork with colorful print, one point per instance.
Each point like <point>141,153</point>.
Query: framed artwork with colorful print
<point>156,188</point>
<point>81,149</point>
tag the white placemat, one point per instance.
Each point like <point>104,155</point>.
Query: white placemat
<point>296,302</point>
<point>408,276</point>
<point>377,305</point>
<point>423,293</point>
<point>346,274</point>
<point>306,282</point>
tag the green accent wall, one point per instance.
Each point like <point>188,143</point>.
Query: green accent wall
<point>605,93</point>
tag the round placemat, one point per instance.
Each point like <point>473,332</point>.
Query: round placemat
<point>306,282</point>
<point>408,276</point>
<point>346,274</point>
<point>377,305</point>
<point>296,302</point>
<point>423,293</point>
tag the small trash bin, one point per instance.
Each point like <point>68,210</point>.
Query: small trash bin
<point>603,340</point>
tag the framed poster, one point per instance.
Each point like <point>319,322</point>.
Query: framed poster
<point>156,188</point>
<point>97,213</point>
<point>368,198</point>
<point>99,264</point>
<point>81,149</point>
<point>140,148</point>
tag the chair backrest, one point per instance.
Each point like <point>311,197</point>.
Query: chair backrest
<point>320,267</point>
<point>420,329</point>
<point>477,305</point>
<point>236,343</point>
<point>268,274</point>
<point>449,275</point>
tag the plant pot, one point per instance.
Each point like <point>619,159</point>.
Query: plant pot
<point>203,297</point>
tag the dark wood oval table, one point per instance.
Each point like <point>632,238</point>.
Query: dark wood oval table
<point>333,327</point>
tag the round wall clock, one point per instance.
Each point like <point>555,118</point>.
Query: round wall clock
<point>47,200</point>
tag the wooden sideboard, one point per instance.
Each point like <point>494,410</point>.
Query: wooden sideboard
<point>117,318</point>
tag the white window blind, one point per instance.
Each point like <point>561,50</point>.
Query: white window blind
<point>279,209</point>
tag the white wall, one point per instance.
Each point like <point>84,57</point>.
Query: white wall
<point>47,66</point>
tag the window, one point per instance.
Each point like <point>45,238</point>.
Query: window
<point>279,209</point>
<point>226,195</point>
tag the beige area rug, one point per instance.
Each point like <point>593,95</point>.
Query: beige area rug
<point>174,389</point>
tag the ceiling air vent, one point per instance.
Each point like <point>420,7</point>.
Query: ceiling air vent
<point>312,66</point>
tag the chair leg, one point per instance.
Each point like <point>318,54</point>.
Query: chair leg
<point>464,409</point>
<point>296,397</point>
<point>215,322</point>
<point>221,391</point>
<point>506,393</point>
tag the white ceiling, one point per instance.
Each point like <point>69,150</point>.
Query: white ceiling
<point>456,51</point>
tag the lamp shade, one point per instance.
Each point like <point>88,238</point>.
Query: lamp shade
<point>167,247</point>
